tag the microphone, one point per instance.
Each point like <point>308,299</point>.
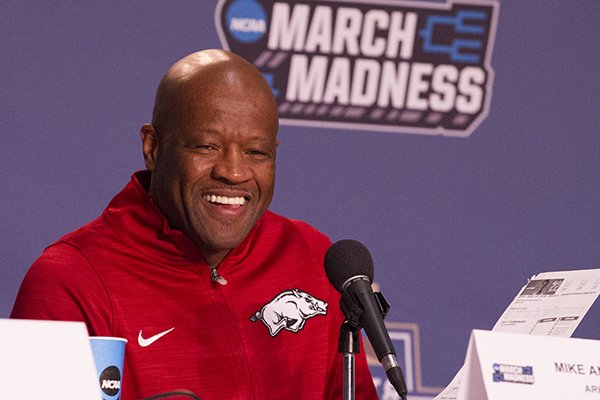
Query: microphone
<point>349,268</point>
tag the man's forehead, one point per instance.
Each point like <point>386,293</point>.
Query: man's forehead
<point>207,85</point>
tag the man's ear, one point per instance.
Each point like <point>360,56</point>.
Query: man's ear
<point>149,145</point>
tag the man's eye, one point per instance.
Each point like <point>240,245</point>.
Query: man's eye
<point>205,147</point>
<point>257,152</point>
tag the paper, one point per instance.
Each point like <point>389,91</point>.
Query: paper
<point>550,304</point>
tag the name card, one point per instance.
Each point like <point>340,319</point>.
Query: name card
<point>501,366</point>
<point>50,360</point>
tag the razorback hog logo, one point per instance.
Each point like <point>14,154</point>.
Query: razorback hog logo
<point>289,310</point>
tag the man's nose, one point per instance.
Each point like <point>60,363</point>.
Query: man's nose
<point>231,168</point>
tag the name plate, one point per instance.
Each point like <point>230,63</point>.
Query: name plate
<point>50,360</point>
<point>502,366</point>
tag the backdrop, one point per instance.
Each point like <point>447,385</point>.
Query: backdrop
<point>455,225</point>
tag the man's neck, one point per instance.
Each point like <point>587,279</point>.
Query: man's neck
<point>214,258</point>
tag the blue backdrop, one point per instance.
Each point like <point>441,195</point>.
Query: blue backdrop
<point>455,226</point>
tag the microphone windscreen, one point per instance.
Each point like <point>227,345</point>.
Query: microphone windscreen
<point>346,259</point>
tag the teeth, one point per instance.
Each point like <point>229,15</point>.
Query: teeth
<point>225,199</point>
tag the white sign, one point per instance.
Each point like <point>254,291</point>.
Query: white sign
<point>550,304</point>
<point>50,360</point>
<point>502,366</point>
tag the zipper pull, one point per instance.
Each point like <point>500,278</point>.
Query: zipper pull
<point>215,277</point>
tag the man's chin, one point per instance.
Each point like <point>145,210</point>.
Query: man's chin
<point>221,235</point>
<point>222,243</point>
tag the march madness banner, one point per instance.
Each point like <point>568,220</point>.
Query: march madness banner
<point>412,67</point>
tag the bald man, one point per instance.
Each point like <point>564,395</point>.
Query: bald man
<point>214,293</point>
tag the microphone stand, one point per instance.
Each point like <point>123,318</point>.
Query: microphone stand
<point>348,342</point>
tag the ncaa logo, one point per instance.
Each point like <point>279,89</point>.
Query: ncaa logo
<point>110,382</point>
<point>246,21</point>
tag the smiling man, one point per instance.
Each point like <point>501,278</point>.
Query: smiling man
<point>214,293</point>
<point>211,150</point>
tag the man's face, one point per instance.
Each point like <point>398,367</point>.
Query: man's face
<point>215,169</point>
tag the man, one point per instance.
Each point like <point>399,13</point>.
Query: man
<point>214,293</point>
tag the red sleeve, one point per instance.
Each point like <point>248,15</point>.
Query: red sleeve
<point>317,241</point>
<point>63,285</point>
<point>365,389</point>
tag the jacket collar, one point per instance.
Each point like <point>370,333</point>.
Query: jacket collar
<point>134,213</point>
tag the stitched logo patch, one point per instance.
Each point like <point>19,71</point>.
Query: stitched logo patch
<point>289,310</point>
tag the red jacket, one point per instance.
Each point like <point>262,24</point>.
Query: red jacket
<point>270,333</point>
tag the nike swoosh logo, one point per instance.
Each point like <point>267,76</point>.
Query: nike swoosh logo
<point>147,342</point>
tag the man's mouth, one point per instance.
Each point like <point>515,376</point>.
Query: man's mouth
<point>225,200</point>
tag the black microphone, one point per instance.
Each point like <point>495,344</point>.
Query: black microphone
<point>349,268</point>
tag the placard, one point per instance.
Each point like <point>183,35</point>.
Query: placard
<point>502,366</point>
<point>50,360</point>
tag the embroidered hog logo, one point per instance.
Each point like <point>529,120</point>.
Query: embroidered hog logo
<point>289,310</point>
